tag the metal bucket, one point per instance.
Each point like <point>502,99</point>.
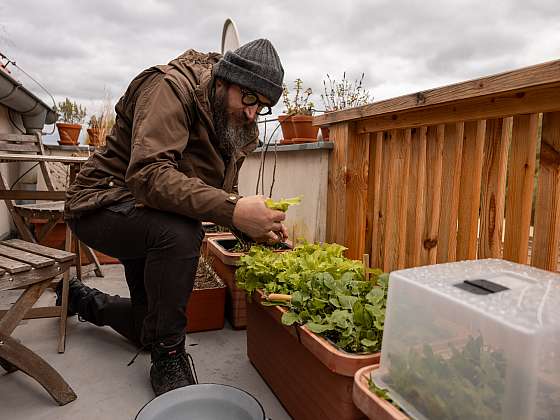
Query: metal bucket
<point>203,402</point>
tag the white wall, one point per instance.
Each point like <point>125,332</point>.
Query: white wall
<point>9,173</point>
<point>298,172</point>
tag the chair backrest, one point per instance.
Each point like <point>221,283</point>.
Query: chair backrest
<point>24,143</point>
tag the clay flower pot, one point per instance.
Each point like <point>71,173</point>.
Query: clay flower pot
<point>298,129</point>
<point>325,133</point>
<point>93,135</point>
<point>69,133</point>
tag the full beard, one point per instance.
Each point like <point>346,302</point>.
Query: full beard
<point>232,128</point>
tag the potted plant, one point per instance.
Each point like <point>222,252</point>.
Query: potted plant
<point>71,116</point>
<point>296,122</point>
<point>101,125</point>
<point>342,95</point>
<point>314,319</point>
<point>205,310</point>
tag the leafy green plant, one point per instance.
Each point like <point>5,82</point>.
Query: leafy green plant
<point>468,383</point>
<point>329,293</point>
<point>70,112</point>
<point>282,204</point>
<point>300,104</point>
<point>344,94</point>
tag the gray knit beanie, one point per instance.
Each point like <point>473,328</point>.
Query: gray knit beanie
<point>255,66</point>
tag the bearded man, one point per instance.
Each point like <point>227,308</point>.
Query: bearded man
<point>172,160</point>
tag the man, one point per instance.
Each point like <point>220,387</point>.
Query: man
<point>172,160</point>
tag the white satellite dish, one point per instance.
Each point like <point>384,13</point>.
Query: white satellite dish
<point>230,36</point>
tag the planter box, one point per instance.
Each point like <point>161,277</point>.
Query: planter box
<point>311,377</point>
<point>205,310</point>
<point>370,404</point>
<point>225,264</point>
<point>57,236</point>
<point>209,235</point>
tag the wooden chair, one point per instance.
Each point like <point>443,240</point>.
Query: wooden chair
<point>31,267</point>
<point>29,147</point>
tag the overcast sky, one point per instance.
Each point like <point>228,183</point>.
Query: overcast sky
<point>82,49</point>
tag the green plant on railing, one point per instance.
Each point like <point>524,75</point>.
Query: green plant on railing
<point>70,112</point>
<point>300,103</point>
<point>344,94</point>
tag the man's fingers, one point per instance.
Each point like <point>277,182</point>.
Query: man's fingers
<point>278,216</point>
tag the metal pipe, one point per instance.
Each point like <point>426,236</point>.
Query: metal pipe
<point>34,112</point>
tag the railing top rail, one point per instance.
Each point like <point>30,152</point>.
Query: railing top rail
<point>528,77</point>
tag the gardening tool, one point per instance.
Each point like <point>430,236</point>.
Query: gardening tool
<point>202,402</point>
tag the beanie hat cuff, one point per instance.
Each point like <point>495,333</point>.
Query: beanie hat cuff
<point>236,74</point>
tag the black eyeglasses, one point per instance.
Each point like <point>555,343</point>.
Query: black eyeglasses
<point>249,98</point>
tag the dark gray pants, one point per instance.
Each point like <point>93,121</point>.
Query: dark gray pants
<point>159,252</point>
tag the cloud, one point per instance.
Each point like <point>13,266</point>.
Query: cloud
<point>80,49</point>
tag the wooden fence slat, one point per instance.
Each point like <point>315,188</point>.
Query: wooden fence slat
<point>496,146</point>
<point>434,162</point>
<point>382,219</point>
<point>521,179</point>
<point>451,169</point>
<point>547,208</point>
<point>397,194</point>
<point>374,197</point>
<point>348,189</point>
<point>416,197</point>
<point>471,178</point>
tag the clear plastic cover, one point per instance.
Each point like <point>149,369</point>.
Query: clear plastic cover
<point>473,339</point>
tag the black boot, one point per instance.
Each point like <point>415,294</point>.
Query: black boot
<point>78,292</point>
<point>171,368</point>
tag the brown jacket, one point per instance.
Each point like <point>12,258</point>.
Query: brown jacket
<point>162,152</point>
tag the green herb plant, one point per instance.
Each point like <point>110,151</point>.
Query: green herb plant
<point>282,204</point>
<point>467,384</point>
<point>329,293</point>
<point>300,103</point>
<point>344,94</point>
<point>70,112</point>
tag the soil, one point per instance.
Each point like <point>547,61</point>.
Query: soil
<point>205,277</point>
<point>233,245</point>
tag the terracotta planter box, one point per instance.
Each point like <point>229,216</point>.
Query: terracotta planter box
<point>209,235</point>
<point>370,404</point>
<point>225,264</point>
<point>311,377</point>
<point>205,310</point>
<point>57,236</point>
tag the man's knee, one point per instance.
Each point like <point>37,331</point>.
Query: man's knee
<point>180,234</point>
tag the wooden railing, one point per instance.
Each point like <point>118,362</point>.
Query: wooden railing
<point>466,171</point>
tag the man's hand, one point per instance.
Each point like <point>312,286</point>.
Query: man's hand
<point>258,221</point>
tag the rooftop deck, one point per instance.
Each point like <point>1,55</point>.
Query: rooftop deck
<point>95,365</point>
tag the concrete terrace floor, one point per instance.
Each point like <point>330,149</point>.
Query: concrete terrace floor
<point>95,366</point>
